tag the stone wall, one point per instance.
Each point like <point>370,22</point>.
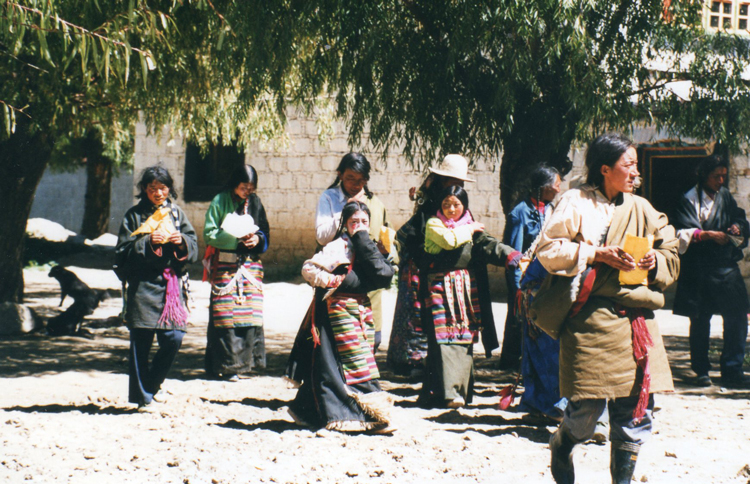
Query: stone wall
<point>292,179</point>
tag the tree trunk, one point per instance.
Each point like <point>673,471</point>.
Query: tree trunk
<point>23,159</point>
<point>98,191</point>
<point>543,134</point>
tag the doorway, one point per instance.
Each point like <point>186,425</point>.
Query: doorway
<point>668,171</point>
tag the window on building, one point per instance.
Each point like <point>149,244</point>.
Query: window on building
<point>206,174</point>
<point>731,16</point>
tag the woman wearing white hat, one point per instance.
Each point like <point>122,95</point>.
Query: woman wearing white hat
<point>408,344</point>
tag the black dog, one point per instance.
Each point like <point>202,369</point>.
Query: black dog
<point>69,322</point>
<point>85,301</point>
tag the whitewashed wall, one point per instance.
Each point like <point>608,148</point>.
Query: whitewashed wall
<point>292,179</point>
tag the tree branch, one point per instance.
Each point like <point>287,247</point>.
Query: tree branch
<point>81,30</point>
<point>610,34</point>
<point>6,52</point>
<point>13,108</point>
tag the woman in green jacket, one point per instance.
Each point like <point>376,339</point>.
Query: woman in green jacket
<point>235,342</point>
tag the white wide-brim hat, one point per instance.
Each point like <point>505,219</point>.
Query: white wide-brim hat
<point>453,166</point>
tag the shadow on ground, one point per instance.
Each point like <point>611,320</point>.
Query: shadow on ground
<point>90,409</point>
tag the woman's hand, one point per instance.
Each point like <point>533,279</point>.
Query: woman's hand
<point>158,237</point>
<point>358,228</point>
<point>250,241</point>
<point>649,261</point>
<point>734,230</point>
<point>719,237</point>
<point>175,238</point>
<point>477,227</point>
<point>615,257</point>
<point>336,280</point>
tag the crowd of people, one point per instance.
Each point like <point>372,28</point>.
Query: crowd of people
<point>590,348</point>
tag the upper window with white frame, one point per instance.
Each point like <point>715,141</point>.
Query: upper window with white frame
<point>731,16</point>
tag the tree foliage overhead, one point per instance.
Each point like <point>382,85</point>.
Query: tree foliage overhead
<point>522,79</point>
<point>424,77</point>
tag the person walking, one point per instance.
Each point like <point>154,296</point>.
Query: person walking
<point>455,244</point>
<point>540,352</point>
<point>154,244</point>
<point>407,349</point>
<point>332,359</point>
<point>611,353</point>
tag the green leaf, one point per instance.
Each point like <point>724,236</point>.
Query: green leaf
<point>106,63</point>
<point>144,69</point>
<point>221,39</point>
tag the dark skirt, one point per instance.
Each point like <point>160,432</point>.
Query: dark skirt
<point>407,348</point>
<point>324,398</point>
<point>234,351</point>
<point>449,375</point>
<point>451,337</point>
<point>511,352</point>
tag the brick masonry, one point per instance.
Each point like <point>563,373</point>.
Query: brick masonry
<point>292,179</point>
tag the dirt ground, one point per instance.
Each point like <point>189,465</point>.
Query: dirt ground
<point>65,415</point>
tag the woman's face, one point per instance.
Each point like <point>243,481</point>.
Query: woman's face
<point>716,179</point>
<point>157,192</point>
<point>244,190</point>
<point>352,182</point>
<point>550,191</point>
<point>452,208</point>
<point>620,177</point>
<point>358,221</point>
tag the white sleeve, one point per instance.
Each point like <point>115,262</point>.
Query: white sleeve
<point>326,221</point>
<point>315,275</point>
<point>684,236</point>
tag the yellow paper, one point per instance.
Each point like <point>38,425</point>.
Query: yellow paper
<point>637,247</point>
<point>160,221</point>
<point>387,236</point>
<point>523,264</point>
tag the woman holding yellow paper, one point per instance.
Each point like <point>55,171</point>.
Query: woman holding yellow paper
<point>154,244</point>
<point>611,353</point>
<point>236,234</point>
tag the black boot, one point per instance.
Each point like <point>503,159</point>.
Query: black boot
<point>561,445</point>
<point>622,462</point>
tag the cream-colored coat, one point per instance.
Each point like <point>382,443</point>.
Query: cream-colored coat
<point>596,350</point>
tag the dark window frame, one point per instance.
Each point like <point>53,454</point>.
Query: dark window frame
<point>206,174</point>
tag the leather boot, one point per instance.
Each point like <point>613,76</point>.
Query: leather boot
<point>622,462</point>
<point>561,446</point>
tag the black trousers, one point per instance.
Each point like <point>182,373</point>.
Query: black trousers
<point>145,379</point>
<point>733,352</point>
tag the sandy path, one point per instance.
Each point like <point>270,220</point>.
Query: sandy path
<point>65,417</point>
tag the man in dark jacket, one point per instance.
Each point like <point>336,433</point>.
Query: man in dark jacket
<point>713,230</point>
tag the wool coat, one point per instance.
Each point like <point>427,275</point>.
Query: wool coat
<point>143,264</point>
<point>596,349</point>
<point>710,279</point>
